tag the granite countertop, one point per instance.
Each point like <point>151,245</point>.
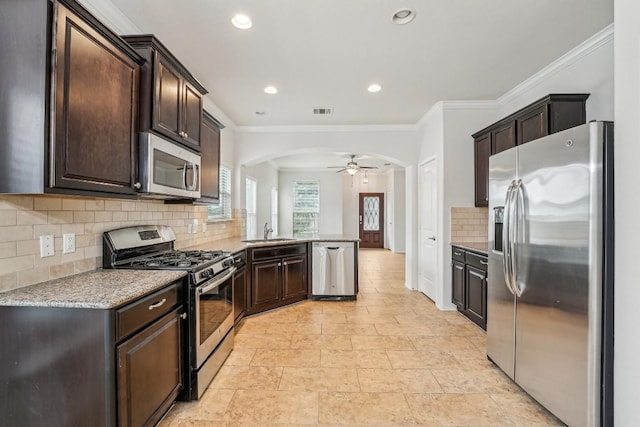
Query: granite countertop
<point>99,289</point>
<point>481,247</point>
<point>238,244</point>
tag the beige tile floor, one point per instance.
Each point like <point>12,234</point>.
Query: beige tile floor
<point>391,358</point>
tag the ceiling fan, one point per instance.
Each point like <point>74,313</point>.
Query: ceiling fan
<point>352,167</point>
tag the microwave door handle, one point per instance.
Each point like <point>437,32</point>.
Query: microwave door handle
<point>184,175</point>
<point>196,177</point>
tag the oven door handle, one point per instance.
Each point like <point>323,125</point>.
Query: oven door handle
<point>207,286</point>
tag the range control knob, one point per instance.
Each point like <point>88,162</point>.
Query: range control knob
<point>207,274</point>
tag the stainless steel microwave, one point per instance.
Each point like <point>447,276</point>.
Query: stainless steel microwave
<point>167,170</point>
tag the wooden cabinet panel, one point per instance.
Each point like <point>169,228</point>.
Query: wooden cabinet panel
<point>476,296</point>
<point>166,112</point>
<point>191,116</point>
<point>457,284</point>
<point>533,125</point>
<point>240,293</point>
<point>149,372</point>
<point>294,277</point>
<point>482,151</point>
<point>503,138</point>
<point>266,282</point>
<point>96,104</point>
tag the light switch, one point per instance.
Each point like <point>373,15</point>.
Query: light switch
<point>46,246</point>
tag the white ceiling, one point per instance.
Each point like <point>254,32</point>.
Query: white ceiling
<point>325,53</point>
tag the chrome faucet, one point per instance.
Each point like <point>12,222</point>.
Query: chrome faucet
<point>267,230</point>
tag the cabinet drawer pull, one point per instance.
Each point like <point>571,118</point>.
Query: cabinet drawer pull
<point>457,253</point>
<point>158,304</point>
<point>483,262</point>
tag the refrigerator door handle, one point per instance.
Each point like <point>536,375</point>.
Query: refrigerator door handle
<point>518,219</point>
<point>506,244</point>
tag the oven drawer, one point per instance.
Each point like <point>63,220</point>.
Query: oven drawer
<point>136,315</point>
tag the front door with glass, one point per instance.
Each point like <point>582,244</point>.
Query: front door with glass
<point>371,219</point>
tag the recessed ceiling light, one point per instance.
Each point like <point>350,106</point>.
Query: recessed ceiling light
<point>403,16</point>
<point>242,21</point>
<point>374,88</point>
<point>271,90</point>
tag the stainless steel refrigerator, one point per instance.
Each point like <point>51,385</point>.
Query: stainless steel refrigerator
<point>550,273</point>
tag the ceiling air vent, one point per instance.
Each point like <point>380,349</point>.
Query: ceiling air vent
<point>323,111</point>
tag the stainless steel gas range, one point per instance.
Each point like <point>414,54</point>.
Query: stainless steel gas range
<point>208,292</point>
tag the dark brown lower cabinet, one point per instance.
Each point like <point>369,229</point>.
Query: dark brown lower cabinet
<point>150,372</point>
<point>266,283</point>
<point>457,284</point>
<point>278,276</point>
<point>476,292</point>
<point>469,284</point>
<point>81,367</point>
<point>240,291</point>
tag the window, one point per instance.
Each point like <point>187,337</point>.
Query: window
<point>251,195</point>
<point>306,206</point>
<point>274,210</point>
<point>223,209</point>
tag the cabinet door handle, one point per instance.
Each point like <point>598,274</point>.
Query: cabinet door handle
<point>457,253</point>
<point>186,135</point>
<point>158,304</point>
<point>279,264</point>
<point>483,262</point>
<point>137,185</point>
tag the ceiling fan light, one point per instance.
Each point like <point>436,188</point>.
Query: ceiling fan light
<point>352,171</point>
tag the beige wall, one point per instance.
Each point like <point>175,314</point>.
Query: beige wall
<point>469,225</point>
<point>24,218</point>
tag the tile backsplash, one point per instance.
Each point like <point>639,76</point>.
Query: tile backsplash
<point>469,225</point>
<point>24,218</point>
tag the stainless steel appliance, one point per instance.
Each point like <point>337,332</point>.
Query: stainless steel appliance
<point>550,280</point>
<point>167,170</point>
<point>208,294</point>
<point>333,271</point>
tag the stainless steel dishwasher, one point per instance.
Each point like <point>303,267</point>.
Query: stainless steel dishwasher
<point>334,270</point>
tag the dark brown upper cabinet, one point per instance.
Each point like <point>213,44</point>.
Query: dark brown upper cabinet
<point>96,103</point>
<point>170,97</point>
<point>482,151</point>
<point>210,154</point>
<point>503,137</point>
<point>553,113</point>
<point>70,87</point>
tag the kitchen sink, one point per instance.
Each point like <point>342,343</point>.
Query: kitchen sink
<point>276,240</point>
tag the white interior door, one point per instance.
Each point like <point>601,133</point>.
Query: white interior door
<point>427,220</point>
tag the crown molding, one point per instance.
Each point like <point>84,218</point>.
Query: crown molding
<point>585,48</point>
<point>108,13</point>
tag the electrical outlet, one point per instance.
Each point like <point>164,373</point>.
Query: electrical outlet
<point>46,246</point>
<point>194,227</point>
<point>204,227</point>
<point>68,243</point>
<point>189,228</point>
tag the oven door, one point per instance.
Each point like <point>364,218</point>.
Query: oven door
<point>214,313</point>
